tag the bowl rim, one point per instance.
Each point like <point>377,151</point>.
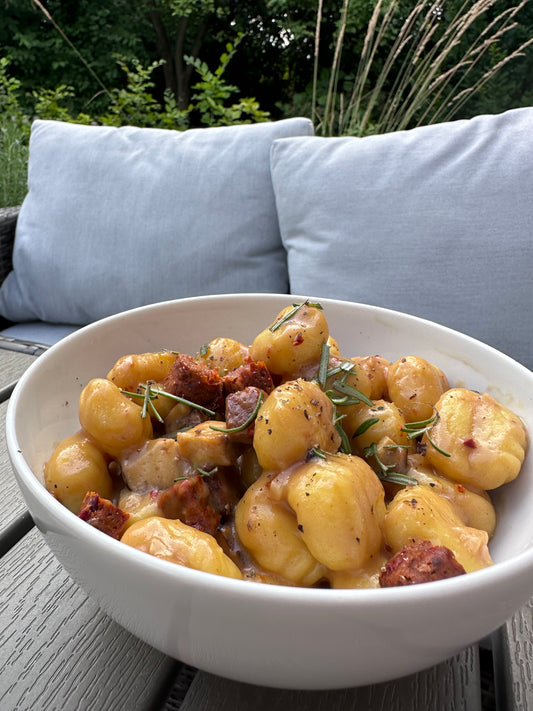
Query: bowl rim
<point>457,586</point>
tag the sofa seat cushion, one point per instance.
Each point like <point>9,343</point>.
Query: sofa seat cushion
<point>121,217</point>
<point>436,221</point>
<point>38,332</point>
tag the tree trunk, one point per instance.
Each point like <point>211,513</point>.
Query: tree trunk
<point>165,52</point>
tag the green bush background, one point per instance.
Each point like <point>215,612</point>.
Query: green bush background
<point>187,63</point>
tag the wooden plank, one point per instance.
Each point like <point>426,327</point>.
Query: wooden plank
<point>12,365</point>
<point>59,651</point>
<point>451,686</point>
<point>14,519</point>
<point>12,505</point>
<point>513,661</point>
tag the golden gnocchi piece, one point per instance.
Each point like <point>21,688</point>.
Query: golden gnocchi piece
<point>76,467</point>
<point>294,418</point>
<point>132,370</point>
<point>111,419</point>
<point>223,355</point>
<point>339,505</point>
<point>387,422</point>
<point>485,441</point>
<point>414,385</point>
<point>346,385</point>
<point>269,532</point>
<point>418,514</point>
<point>291,347</point>
<point>473,507</point>
<point>376,368</point>
<point>178,543</point>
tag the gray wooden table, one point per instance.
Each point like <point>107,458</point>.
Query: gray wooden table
<point>59,651</point>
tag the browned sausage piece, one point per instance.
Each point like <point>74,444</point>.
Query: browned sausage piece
<point>103,515</point>
<point>188,501</point>
<point>195,382</point>
<point>420,562</point>
<point>250,374</point>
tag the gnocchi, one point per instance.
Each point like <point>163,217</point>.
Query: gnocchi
<point>288,462</point>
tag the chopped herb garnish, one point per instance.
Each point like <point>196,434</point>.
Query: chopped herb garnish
<point>148,396</point>
<point>246,424</point>
<point>364,426</point>
<point>204,349</point>
<point>323,367</point>
<point>201,472</point>
<point>344,367</point>
<point>177,398</point>
<point>341,386</point>
<point>345,442</point>
<point>386,471</point>
<point>290,313</point>
<point>417,429</point>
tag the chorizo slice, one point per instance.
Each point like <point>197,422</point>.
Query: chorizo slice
<point>420,562</point>
<point>251,374</point>
<point>103,515</point>
<point>188,501</point>
<point>195,382</point>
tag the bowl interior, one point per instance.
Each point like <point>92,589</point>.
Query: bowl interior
<point>43,408</point>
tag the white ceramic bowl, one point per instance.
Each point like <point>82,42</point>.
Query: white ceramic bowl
<point>262,634</point>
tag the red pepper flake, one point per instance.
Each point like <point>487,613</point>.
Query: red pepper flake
<point>154,493</point>
<point>461,489</point>
<point>299,339</point>
<point>470,443</point>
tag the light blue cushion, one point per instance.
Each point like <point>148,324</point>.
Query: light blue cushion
<point>436,221</point>
<point>121,217</point>
<point>38,332</point>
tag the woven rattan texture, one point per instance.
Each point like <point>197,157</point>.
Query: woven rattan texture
<point>8,221</point>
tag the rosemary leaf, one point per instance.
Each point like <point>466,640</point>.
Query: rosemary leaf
<point>396,478</point>
<point>342,387</point>
<point>201,472</point>
<point>323,367</point>
<point>446,454</point>
<point>345,442</point>
<point>158,391</point>
<point>290,313</point>
<point>364,426</point>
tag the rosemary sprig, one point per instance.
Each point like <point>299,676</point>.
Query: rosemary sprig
<point>148,402</point>
<point>201,472</point>
<point>290,313</point>
<point>323,366</point>
<point>417,429</point>
<point>386,471</point>
<point>364,426</point>
<point>147,397</point>
<point>177,398</point>
<point>344,367</point>
<point>341,386</point>
<point>151,393</point>
<point>246,424</point>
